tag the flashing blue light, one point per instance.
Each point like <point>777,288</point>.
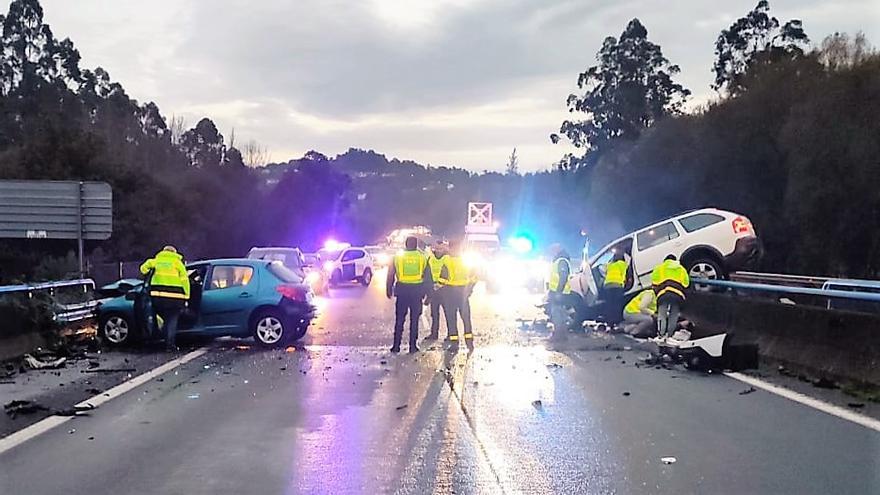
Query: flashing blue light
<point>521,244</point>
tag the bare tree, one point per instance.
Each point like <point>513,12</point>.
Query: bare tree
<point>839,50</point>
<point>178,127</point>
<point>513,164</point>
<point>255,154</point>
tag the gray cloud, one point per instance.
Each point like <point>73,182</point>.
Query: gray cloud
<point>443,81</point>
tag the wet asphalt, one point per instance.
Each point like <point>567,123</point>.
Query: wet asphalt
<point>339,414</point>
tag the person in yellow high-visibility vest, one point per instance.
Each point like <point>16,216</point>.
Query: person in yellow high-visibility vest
<point>457,281</point>
<point>559,291</point>
<point>435,260</point>
<point>613,287</point>
<point>409,278</point>
<point>638,314</point>
<point>169,289</point>
<point>669,281</point>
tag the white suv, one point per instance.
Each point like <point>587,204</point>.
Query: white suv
<point>710,243</point>
<point>351,264</point>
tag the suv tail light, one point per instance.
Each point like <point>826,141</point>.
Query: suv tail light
<point>292,292</point>
<point>742,225</point>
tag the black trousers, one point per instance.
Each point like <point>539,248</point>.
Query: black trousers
<point>409,300</point>
<point>614,302</point>
<point>456,302</point>
<point>436,302</point>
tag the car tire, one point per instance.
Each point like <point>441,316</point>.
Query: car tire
<point>367,278</point>
<point>270,329</point>
<point>705,268</point>
<point>116,330</point>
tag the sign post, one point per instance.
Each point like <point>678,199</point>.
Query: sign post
<point>70,210</point>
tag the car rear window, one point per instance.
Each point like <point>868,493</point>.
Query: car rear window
<point>699,221</point>
<point>283,273</point>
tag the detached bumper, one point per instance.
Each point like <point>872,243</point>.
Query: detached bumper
<point>746,255</point>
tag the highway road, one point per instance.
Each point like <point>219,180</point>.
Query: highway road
<point>339,414</point>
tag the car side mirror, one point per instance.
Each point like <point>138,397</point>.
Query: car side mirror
<point>130,296</point>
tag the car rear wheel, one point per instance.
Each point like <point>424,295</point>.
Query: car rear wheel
<point>116,330</point>
<point>705,268</point>
<point>269,329</point>
<point>367,277</point>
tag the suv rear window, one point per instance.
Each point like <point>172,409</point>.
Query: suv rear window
<point>283,273</point>
<point>656,235</point>
<point>699,221</point>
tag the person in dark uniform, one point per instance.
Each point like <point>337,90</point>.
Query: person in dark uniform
<point>409,279</point>
<point>458,284</point>
<point>435,260</point>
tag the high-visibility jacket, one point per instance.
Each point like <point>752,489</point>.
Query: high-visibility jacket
<point>615,274</point>
<point>670,278</point>
<point>410,266</point>
<point>554,282</point>
<point>436,266</point>
<point>635,305</point>
<point>454,272</point>
<point>169,279</point>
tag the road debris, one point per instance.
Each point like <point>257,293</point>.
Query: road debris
<point>537,404</point>
<point>290,349</point>
<point>35,364</point>
<point>748,391</point>
<point>626,394</point>
<point>825,383</point>
<point>399,408</point>
<point>192,396</point>
<point>19,407</point>
<point>668,460</point>
<point>855,405</point>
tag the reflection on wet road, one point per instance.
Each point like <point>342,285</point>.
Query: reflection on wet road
<point>342,415</point>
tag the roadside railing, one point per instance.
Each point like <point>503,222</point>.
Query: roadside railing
<point>851,300</point>
<point>779,279</point>
<point>71,300</point>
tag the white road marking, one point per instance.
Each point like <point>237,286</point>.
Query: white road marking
<point>808,401</point>
<point>15,439</point>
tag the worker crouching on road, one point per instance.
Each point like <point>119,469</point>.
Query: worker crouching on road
<point>669,281</point>
<point>639,313</point>
<point>457,283</point>
<point>435,260</point>
<point>169,289</point>
<point>409,278</point>
<point>559,291</point>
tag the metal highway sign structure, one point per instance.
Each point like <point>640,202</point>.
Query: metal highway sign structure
<point>72,210</point>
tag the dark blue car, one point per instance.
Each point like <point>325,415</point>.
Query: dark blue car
<point>229,297</point>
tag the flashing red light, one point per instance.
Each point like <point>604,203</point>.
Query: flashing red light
<point>742,225</point>
<point>292,292</point>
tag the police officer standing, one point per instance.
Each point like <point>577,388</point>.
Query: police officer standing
<point>435,260</point>
<point>457,284</point>
<point>613,287</point>
<point>669,281</point>
<point>169,289</point>
<point>409,278</point>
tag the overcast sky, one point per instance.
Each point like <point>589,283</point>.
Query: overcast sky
<point>445,82</point>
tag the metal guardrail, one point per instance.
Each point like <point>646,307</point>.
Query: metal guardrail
<point>779,279</point>
<point>782,289</point>
<point>63,313</point>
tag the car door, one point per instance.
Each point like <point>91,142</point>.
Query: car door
<point>652,246</point>
<point>349,263</point>
<point>228,297</point>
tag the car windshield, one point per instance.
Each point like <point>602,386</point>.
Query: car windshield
<point>283,273</point>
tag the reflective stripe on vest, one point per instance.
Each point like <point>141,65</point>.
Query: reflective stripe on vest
<point>670,277</point>
<point>458,274</point>
<point>436,266</point>
<point>634,306</point>
<point>615,274</point>
<point>554,277</point>
<point>410,266</point>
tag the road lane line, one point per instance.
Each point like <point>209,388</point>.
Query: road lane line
<point>808,401</point>
<point>15,439</point>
